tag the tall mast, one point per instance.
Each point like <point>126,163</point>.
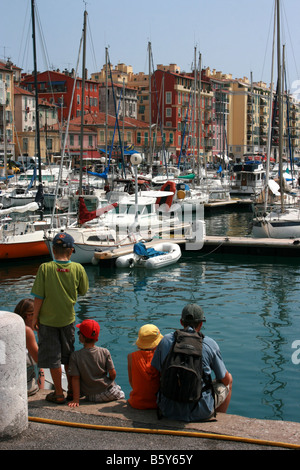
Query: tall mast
<point>270,119</point>
<point>82,100</point>
<point>150,110</point>
<point>279,103</point>
<point>37,119</point>
<point>106,103</point>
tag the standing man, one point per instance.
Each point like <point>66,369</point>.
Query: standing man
<point>213,398</point>
<point>55,291</point>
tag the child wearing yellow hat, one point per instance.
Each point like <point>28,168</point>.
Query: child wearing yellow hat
<point>143,377</point>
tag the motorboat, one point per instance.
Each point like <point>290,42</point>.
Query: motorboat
<point>162,255</point>
<point>248,179</point>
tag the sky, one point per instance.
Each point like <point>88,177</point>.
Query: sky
<point>232,36</point>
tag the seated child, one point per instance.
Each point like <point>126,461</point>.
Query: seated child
<point>143,377</point>
<point>91,369</point>
<point>35,376</point>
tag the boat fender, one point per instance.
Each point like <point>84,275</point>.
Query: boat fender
<point>180,194</point>
<point>94,261</point>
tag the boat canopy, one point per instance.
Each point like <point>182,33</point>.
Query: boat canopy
<point>141,250</point>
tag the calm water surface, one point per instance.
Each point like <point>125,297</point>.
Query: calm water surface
<point>251,306</point>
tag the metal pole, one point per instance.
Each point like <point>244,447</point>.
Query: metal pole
<point>82,100</point>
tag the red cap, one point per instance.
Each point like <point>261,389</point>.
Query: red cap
<point>90,329</point>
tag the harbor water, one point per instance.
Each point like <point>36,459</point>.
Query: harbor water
<point>251,306</point>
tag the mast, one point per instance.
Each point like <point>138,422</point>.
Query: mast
<point>82,100</point>
<point>280,148</point>
<point>38,145</point>
<point>194,115</point>
<point>150,109</point>
<point>199,122</point>
<point>106,104</point>
<point>270,120</point>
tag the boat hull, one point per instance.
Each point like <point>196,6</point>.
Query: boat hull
<point>278,225</point>
<point>172,255</point>
<point>20,250</point>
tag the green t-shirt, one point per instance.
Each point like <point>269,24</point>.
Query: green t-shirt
<point>59,283</point>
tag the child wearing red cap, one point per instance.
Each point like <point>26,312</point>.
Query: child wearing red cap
<point>92,369</point>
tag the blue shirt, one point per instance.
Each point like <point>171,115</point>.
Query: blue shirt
<point>212,365</point>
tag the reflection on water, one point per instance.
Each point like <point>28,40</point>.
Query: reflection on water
<point>229,223</point>
<point>251,305</point>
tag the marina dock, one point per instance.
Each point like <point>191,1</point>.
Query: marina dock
<point>220,245</point>
<point>232,202</point>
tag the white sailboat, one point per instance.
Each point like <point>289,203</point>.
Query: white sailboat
<point>281,221</point>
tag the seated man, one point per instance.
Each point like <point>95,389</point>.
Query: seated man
<point>213,398</point>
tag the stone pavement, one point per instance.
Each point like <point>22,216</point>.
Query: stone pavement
<point>116,426</point>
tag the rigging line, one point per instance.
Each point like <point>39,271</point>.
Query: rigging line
<point>22,36</point>
<point>43,42</point>
<point>46,57</point>
<point>270,25</point>
<point>67,130</point>
<point>26,49</point>
<point>92,44</point>
<point>292,49</point>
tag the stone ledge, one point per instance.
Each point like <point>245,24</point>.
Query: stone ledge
<point>125,416</point>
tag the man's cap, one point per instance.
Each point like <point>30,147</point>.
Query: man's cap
<point>149,337</point>
<point>192,312</point>
<point>90,329</point>
<point>63,239</point>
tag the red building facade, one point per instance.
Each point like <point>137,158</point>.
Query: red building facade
<point>175,104</point>
<point>57,88</point>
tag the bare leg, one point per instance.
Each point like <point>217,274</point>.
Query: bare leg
<point>224,406</point>
<point>56,377</point>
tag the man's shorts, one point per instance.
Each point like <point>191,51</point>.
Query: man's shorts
<point>55,345</point>
<point>221,392</point>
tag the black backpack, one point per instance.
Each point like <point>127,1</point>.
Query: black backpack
<point>182,374</point>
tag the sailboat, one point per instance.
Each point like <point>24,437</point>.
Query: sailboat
<point>26,239</point>
<point>279,222</point>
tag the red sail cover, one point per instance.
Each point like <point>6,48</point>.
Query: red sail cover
<point>85,215</point>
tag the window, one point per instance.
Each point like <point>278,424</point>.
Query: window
<point>71,140</point>
<point>168,112</point>
<point>25,144</point>
<point>49,144</point>
<point>90,140</point>
<point>138,138</point>
<point>168,97</point>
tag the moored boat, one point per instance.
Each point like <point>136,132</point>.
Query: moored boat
<point>164,254</point>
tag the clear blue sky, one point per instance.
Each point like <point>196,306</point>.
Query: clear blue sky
<point>233,36</point>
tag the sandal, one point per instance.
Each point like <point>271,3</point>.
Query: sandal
<point>53,398</point>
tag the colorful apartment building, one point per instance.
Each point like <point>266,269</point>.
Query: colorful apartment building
<point>7,78</point>
<point>57,88</point>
